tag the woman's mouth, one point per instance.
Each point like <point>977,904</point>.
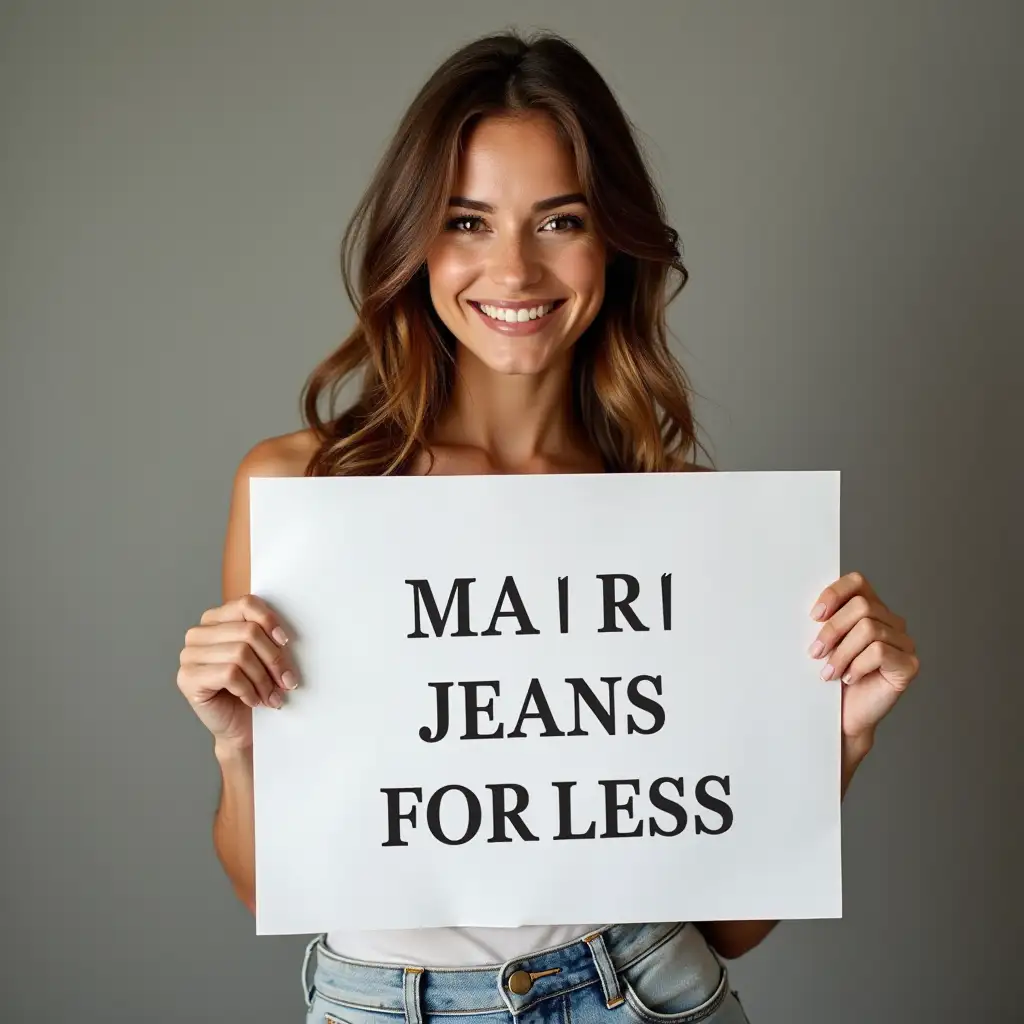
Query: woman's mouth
<point>525,320</point>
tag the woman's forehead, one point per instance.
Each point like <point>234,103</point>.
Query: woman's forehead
<point>511,161</point>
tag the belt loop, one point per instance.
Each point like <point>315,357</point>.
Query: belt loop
<point>411,992</point>
<point>307,988</point>
<point>605,970</point>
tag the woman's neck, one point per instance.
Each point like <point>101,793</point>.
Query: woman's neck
<point>517,421</point>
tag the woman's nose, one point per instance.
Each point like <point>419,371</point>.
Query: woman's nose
<point>514,265</point>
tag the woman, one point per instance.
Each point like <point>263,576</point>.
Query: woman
<point>511,319</point>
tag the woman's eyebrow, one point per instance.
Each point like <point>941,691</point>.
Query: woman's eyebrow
<point>539,207</point>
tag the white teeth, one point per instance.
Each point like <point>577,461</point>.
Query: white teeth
<point>517,315</point>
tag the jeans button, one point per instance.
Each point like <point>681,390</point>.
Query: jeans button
<point>520,983</point>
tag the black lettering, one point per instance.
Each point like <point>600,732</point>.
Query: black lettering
<point>460,590</point>
<point>518,611</point>
<point>666,600</point>
<point>606,716</point>
<point>473,709</point>
<point>648,704</point>
<point>623,604</point>
<point>611,808</point>
<point>565,814</point>
<point>434,815</point>
<point>394,828</point>
<point>714,804</point>
<point>536,694</point>
<point>563,604</point>
<point>514,814</point>
<point>442,715</point>
<point>664,803</point>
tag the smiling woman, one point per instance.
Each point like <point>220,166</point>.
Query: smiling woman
<point>510,267</point>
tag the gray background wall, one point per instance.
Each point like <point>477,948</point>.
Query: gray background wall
<point>174,179</point>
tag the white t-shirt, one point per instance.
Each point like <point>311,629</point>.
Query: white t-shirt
<point>452,947</point>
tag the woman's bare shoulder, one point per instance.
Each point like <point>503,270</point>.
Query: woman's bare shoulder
<point>283,455</point>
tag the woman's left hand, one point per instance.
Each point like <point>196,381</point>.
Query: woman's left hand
<point>867,646</point>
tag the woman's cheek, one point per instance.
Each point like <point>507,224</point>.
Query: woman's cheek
<point>583,268</point>
<point>450,276</point>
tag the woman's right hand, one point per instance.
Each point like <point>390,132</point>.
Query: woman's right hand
<point>236,658</point>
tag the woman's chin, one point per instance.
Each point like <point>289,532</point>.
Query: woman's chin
<point>517,358</point>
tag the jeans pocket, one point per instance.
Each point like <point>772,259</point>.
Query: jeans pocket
<point>680,981</point>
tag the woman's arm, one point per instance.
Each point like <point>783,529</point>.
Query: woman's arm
<point>731,939</point>
<point>234,832</point>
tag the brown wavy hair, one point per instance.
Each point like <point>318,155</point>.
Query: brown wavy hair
<point>630,395</point>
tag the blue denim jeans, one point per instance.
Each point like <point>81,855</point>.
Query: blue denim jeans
<point>624,974</point>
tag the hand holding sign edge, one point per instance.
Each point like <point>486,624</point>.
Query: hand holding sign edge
<point>867,646</point>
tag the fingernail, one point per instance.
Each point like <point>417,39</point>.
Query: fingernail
<point>280,635</point>
<point>826,672</point>
<point>817,611</point>
<point>274,700</point>
<point>847,678</point>
<point>816,648</point>
<point>288,679</point>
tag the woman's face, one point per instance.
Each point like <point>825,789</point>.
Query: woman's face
<point>519,245</point>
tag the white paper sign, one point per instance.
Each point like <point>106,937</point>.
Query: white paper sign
<point>618,722</point>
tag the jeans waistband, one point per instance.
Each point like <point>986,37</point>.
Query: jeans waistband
<point>413,990</point>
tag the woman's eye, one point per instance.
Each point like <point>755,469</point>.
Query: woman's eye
<point>458,224</point>
<point>573,221</point>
